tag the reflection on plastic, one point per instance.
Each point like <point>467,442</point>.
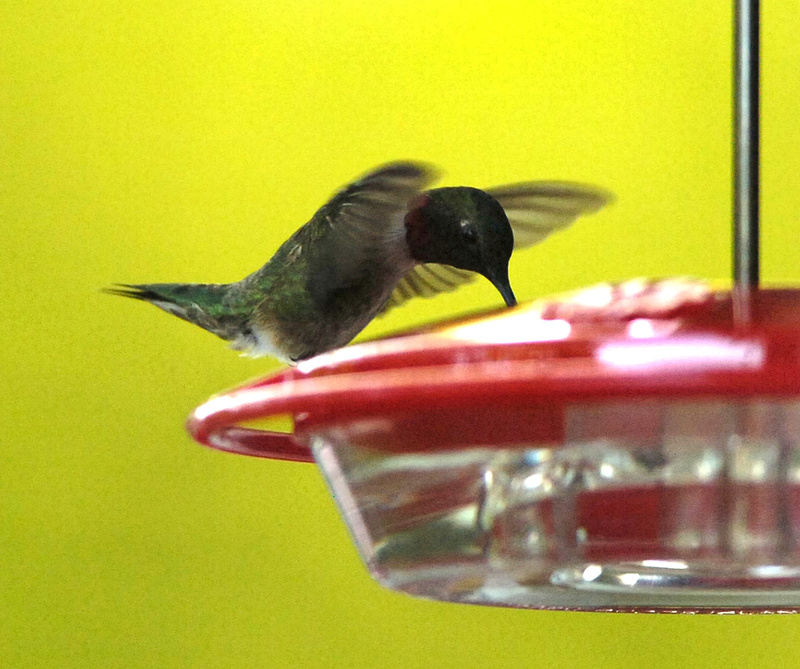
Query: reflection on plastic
<point>712,352</point>
<point>520,326</point>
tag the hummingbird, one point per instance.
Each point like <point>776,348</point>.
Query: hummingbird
<point>380,241</point>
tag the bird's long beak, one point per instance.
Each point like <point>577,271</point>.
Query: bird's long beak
<point>504,288</point>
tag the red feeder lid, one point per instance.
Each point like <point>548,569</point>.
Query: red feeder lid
<point>673,338</point>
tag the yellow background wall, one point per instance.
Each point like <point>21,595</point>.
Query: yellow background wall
<point>159,141</point>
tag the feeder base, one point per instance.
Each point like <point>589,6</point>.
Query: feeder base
<point>646,505</point>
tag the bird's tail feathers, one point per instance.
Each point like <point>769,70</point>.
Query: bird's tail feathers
<point>198,303</point>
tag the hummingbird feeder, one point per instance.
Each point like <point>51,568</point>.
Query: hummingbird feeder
<point>628,447</point>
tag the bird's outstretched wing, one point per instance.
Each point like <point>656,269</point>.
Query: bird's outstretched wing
<point>534,209</point>
<point>358,221</point>
<point>363,208</point>
<point>427,280</point>
<point>537,208</point>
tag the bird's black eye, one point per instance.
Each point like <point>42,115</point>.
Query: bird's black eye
<point>468,232</point>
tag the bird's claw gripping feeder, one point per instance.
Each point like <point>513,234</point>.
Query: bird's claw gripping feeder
<point>631,447</point>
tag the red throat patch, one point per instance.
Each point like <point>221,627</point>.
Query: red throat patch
<point>417,233</point>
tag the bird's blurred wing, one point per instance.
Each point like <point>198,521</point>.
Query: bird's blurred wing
<point>365,208</point>
<point>360,223</point>
<point>537,208</point>
<point>426,281</point>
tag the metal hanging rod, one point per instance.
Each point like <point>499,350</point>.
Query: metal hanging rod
<point>746,145</point>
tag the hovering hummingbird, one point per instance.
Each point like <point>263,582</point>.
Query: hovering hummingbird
<point>378,242</point>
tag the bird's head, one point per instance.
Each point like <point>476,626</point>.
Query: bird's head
<point>465,228</point>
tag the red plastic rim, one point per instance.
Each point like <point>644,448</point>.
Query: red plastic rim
<point>639,339</point>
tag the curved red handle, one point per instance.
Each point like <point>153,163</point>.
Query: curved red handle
<point>216,427</point>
